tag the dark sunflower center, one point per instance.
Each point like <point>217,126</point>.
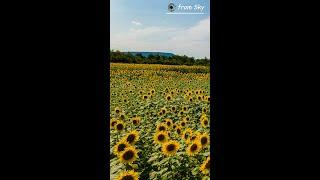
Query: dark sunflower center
<point>134,121</point>
<point>190,99</point>
<point>119,126</point>
<point>178,131</point>
<point>186,136</point>
<point>184,109</point>
<point>194,147</point>
<point>171,147</point>
<point>121,147</point>
<point>160,113</point>
<point>169,98</point>
<point>161,137</point>
<point>208,165</point>
<point>183,124</point>
<point>187,119</point>
<point>205,110</point>
<point>113,123</point>
<point>205,122</point>
<point>168,123</point>
<point>161,128</point>
<point>204,140</point>
<point>128,155</point>
<point>193,137</point>
<point>127,177</point>
<point>173,108</point>
<point>131,138</point>
<point>163,111</point>
<point>145,97</point>
<point>174,126</point>
<point>117,111</point>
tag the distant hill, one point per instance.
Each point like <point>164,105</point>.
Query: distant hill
<point>146,54</point>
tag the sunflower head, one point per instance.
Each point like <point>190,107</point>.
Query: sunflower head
<point>129,155</point>
<point>128,175</point>
<point>184,108</point>
<point>173,109</point>
<point>120,126</point>
<point>168,122</point>
<point>187,134</point>
<point>160,137</point>
<point>170,148</point>
<point>113,122</point>
<point>204,122</point>
<point>204,140</point>
<point>178,130</point>
<point>132,137</point>
<point>120,146</point>
<point>161,127</point>
<point>122,116</point>
<point>205,166</point>
<point>117,110</point>
<point>145,97</point>
<point>168,97</point>
<point>163,111</point>
<point>136,121</point>
<point>193,148</point>
<point>183,123</point>
<point>204,110</point>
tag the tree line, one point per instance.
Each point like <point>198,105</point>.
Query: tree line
<point>121,57</point>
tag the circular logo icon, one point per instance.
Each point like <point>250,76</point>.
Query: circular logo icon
<point>171,7</point>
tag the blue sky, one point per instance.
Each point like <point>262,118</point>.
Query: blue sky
<point>143,25</point>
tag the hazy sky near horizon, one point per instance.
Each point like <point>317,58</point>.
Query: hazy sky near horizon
<point>143,25</point>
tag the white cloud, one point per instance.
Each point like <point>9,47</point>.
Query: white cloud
<point>192,41</point>
<point>136,23</point>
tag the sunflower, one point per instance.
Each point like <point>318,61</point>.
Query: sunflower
<point>204,140</point>
<point>161,127</point>
<point>170,148</point>
<point>187,118</point>
<point>120,146</point>
<point>204,122</point>
<point>122,116</point>
<point>129,155</point>
<point>120,126</point>
<point>173,109</point>
<point>199,98</point>
<point>132,137</point>
<point>186,134</point>
<point>160,137</point>
<point>152,91</point>
<point>193,148</point>
<point>190,99</point>
<point>113,122</point>
<point>117,110</point>
<point>163,110</point>
<point>168,122</point>
<point>183,123</point>
<point>178,130</point>
<point>160,113</point>
<point>128,175</point>
<point>135,121</point>
<point>204,110</point>
<point>145,97</point>
<point>168,97</point>
<point>205,166</point>
<point>185,108</point>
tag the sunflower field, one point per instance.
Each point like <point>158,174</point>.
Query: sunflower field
<point>159,122</point>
